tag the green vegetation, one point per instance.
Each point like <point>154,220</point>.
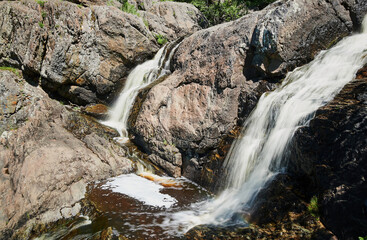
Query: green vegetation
<point>13,70</point>
<point>161,40</point>
<point>41,2</point>
<point>362,238</point>
<point>228,10</point>
<point>146,23</point>
<point>129,8</point>
<point>41,24</point>
<point>44,15</point>
<point>313,207</point>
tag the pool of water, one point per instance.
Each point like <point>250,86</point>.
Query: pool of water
<point>134,207</point>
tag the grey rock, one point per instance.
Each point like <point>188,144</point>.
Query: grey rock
<point>219,74</point>
<point>48,154</point>
<point>84,54</point>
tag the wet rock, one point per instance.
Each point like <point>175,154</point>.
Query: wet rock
<point>362,73</point>
<point>330,157</point>
<point>279,213</point>
<point>47,156</point>
<point>84,54</point>
<point>96,110</point>
<point>220,73</point>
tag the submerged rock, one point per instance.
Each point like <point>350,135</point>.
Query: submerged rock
<point>84,54</point>
<point>330,156</point>
<point>47,156</point>
<point>219,74</point>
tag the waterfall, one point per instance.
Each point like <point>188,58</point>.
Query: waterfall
<point>139,78</point>
<point>258,155</point>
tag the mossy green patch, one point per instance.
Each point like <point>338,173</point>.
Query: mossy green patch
<point>313,207</point>
<point>13,70</point>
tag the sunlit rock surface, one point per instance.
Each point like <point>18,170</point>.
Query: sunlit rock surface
<point>84,54</point>
<point>47,155</point>
<point>220,73</point>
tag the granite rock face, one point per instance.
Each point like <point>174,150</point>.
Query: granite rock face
<point>330,156</point>
<point>48,154</point>
<point>84,54</point>
<point>219,74</point>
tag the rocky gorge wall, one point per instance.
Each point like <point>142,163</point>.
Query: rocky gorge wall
<point>329,157</point>
<point>82,53</point>
<point>186,122</point>
<point>78,53</point>
<point>48,154</point>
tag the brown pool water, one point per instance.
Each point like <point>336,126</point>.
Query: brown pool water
<point>133,216</point>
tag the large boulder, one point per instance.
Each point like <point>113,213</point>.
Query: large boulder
<point>48,154</point>
<point>83,54</point>
<point>330,157</point>
<point>219,74</point>
<point>173,20</point>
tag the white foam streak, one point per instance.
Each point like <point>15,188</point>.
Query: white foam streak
<point>140,189</point>
<point>138,79</point>
<point>259,154</point>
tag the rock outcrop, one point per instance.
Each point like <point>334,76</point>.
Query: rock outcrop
<point>48,154</point>
<point>279,213</point>
<point>219,74</point>
<point>329,156</point>
<point>84,54</point>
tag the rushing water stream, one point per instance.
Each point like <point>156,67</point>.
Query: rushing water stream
<point>258,156</point>
<point>144,205</point>
<point>139,78</point>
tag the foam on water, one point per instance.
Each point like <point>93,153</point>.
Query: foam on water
<point>141,189</point>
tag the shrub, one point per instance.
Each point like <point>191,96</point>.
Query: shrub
<point>41,2</point>
<point>217,12</point>
<point>43,14</point>
<point>313,207</point>
<point>161,40</point>
<point>129,8</point>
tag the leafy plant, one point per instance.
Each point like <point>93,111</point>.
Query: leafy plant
<point>41,24</point>
<point>161,40</point>
<point>129,8</point>
<point>217,12</point>
<point>146,23</point>
<point>362,238</point>
<point>313,207</point>
<point>43,14</point>
<point>41,2</point>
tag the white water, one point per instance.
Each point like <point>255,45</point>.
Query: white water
<point>258,155</point>
<point>139,78</point>
<point>141,189</point>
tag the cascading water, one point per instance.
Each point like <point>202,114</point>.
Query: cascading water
<point>258,155</point>
<point>139,78</point>
<point>151,206</point>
